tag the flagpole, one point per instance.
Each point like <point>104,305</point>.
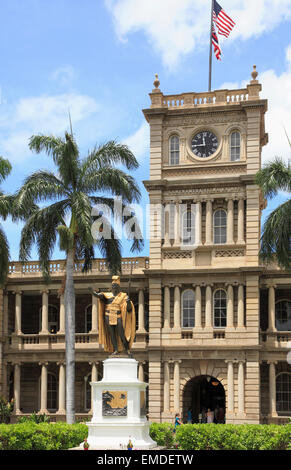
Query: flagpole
<point>210,47</point>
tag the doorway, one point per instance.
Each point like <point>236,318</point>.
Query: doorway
<point>201,394</point>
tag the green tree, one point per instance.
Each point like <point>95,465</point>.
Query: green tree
<point>73,191</point>
<point>276,236</point>
<point>5,210</point>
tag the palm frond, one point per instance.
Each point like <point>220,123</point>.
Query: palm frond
<point>5,168</point>
<point>107,155</point>
<point>38,187</point>
<point>276,238</point>
<point>4,257</point>
<point>274,177</point>
<point>41,229</point>
<point>114,181</point>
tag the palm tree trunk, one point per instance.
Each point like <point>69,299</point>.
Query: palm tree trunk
<point>70,338</point>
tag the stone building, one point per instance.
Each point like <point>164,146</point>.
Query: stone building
<point>213,323</point>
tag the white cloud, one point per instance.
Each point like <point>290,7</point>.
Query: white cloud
<point>139,141</point>
<point>48,114</point>
<point>277,90</point>
<point>175,28</point>
<point>64,75</point>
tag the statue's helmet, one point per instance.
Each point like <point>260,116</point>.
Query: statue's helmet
<point>116,280</point>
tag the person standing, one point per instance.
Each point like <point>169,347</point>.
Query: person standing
<point>189,416</point>
<point>210,416</point>
<point>177,421</point>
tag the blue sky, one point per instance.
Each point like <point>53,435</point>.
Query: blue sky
<point>98,58</point>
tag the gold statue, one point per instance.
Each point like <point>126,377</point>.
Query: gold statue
<point>116,319</point>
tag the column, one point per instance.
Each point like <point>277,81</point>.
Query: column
<point>43,388</point>
<point>17,372</point>
<point>44,313</point>
<point>177,386</point>
<point>166,386</point>
<point>208,308</point>
<point>94,378</point>
<point>62,315</point>
<point>166,226</point>
<point>240,222</point>
<point>141,371</point>
<point>177,308</point>
<point>141,328</point>
<point>198,308</point>
<point>272,388</point>
<point>208,228</point>
<point>62,389</point>
<point>229,311</point>
<point>198,223</point>
<point>271,311</point>
<point>167,307</point>
<point>240,307</point>
<point>18,311</point>
<point>241,387</point>
<point>94,314</point>
<point>177,224</point>
<point>230,387</point>
<point>229,225</point>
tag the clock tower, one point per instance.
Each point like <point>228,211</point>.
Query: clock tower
<point>205,210</point>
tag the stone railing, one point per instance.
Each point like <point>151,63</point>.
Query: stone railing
<point>211,98</point>
<point>57,267</point>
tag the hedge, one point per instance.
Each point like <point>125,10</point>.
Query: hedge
<point>61,436</point>
<point>234,437</point>
<point>43,436</point>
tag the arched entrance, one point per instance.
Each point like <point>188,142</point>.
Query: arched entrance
<point>202,393</point>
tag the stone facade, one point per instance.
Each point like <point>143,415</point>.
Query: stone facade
<point>210,322</point>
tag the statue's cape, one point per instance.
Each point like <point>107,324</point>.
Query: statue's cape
<point>128,322</point>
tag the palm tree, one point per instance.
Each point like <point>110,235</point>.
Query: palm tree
<point>73,192</point>
<point>5,208</point>
<point>276,237</point>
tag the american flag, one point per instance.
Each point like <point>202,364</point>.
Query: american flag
<point>217,48</point>
<point>223,22</point>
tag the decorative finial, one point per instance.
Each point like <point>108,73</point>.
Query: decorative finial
<point>156,81</point>
<point>254,73</point>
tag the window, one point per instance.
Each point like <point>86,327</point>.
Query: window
<point>188,308</point>
<point>283,315</point>
<point>219,226</point>
<point>174,150</point>
<point>51,392</point>
<point>235,146</point>
<point>283,392</point>
<point>219,308</point>
<point>53,318</point>
<point>88,319</point>
<point>188,221</point>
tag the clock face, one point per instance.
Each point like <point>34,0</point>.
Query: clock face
<point>204,144</point>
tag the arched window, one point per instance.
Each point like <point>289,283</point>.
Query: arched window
<point>283,392</point>
<point>88,318</point>
<point>219,226</point>
<point>174,150</point>
<point>188,224</point>
<point>283,315</point>
<point>219,308</point>
<point>234,146</point>
<point>52,392</point>
<point>188,308</point>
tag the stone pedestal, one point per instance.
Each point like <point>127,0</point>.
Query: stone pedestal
<point>118,411</point>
